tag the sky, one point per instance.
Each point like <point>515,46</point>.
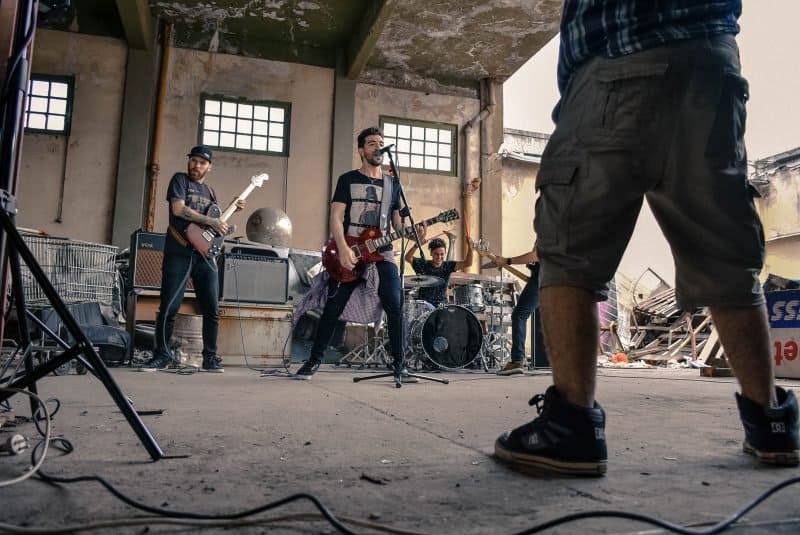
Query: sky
<point>769,45</point>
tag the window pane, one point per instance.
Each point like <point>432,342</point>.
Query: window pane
<point>276,129</point>
<point>389,129</point>
<point>417,132</point>
<point>227,140</point>
<point>244,126</point>
<point>38,104</point>
<point>211,122</point>
<point>228,124</point>
<point>403,145</point>
<point>431,162</point>
<point>431,134</point>
<point>260,143</point>
<point>275,144</point>
<point>260,127</point>
<point>445,150</point>
<point>390,141</point>
<point>445,136</point>
<point>276,114</point>
<point>243,142</point>
<point>211,138</point>
<point>59,89</point>
<point>444,164</point>
<point>245,111</point>
<point>404,130</point>
<point>55,122</point>
<point>431,148</point>
<point>403,160</point>
<point>37,120</point>
<point>212,106</point>
<point>417,147</point>
<point>39,87</point>
<point>260,112</point>
<point>417,161</point>
<point>229,109</point>
<point>58,106</point>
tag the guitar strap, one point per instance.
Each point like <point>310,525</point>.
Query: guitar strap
<point>386,203</point>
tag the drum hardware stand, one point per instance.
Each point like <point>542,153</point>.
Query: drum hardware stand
<point>495,341</point>
<point>370,353</point>
<point>404,212</point>
<point>12,247</point>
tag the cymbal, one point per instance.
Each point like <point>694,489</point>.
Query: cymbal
<point>421,281</point>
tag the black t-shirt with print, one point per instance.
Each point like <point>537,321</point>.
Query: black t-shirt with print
<point>363,196</point>
<point>433,294</point>
<point>195,195</point>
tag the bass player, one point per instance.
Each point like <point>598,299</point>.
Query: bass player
<point>189,197</point>
<point>360,203</point>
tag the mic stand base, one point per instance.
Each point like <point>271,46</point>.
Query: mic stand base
<point>399,376</point>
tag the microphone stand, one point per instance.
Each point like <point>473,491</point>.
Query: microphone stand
<point>405,211</point>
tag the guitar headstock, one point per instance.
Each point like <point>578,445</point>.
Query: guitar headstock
<point>258,180</point>
<point>447,215</point>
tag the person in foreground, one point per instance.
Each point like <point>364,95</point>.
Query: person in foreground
<point>670,128</point>
<point>189,197</point>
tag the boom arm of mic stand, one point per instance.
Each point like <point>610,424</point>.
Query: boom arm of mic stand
<point>406,207</point>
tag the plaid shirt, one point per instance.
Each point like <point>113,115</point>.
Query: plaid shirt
<point>613,28</point>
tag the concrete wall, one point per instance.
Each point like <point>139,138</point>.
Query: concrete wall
<point>779,208</point>
<point>519,196</point>
<point>428,194</point>
<point>86,161</point>
<point>299,183</point>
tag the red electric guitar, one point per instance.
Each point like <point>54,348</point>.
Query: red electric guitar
<point>366,245</point>
<point>205,239</point>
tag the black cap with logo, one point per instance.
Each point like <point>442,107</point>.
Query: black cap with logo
<point>201,151</point>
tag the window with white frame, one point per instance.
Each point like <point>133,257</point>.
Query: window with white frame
<point>420,145</point>
<point>49,105</point>
<point>241,125</point>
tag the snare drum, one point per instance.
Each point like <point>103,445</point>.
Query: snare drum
<point>470,296</point>
<point>450,337</point>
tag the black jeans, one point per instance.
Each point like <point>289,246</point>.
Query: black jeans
<point>175,273</point>
<point>339,294</point>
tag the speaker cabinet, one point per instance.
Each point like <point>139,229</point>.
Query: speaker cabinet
<point>147,256</point>
<point>249,278</point>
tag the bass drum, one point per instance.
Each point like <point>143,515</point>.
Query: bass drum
<point>450,337</point>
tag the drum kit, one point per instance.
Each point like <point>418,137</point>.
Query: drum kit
<point>449,337</point>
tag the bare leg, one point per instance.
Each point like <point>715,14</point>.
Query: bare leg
<point>569,322</point>
<point>744,333</point>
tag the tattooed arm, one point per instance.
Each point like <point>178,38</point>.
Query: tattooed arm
<point>179,209</point>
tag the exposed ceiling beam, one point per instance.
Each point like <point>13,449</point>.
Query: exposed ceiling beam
<point>366,35</point>
<point>137,22</point>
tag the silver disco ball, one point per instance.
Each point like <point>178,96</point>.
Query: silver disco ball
<point>270,226</point>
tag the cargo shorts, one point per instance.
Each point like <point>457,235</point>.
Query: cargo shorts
<point>665,124</point>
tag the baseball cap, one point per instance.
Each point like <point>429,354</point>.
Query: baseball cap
<point>201,151</point>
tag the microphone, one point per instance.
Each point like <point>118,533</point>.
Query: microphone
<point>385,149</point>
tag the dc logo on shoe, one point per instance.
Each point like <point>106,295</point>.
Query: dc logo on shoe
<point>533,439</point>
<point>778,427</point>
<point>599,433</point>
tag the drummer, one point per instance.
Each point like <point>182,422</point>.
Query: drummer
<point>437,266</point>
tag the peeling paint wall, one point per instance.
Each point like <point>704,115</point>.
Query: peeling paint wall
<point>519,194</point>
<point>779,208</point>
<point>89,165</point>
<point>428,194</point>
<point>298,184</point>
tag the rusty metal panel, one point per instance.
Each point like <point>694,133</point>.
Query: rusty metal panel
<point>258,332</point>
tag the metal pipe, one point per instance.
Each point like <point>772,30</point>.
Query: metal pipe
<point>472,180</point>
<point>166,37</point>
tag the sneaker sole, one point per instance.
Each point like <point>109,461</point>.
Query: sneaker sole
<point>777,458</point>
<point>218,370</point>
<point>538,464</point>
<point>302,377</point>
<point>515,371</point>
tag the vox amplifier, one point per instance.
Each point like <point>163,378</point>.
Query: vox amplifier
<point>147,255</point>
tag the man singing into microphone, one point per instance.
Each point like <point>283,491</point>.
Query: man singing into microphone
<point>359,194</point>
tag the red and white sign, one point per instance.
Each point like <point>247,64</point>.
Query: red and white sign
<point>784,318</point>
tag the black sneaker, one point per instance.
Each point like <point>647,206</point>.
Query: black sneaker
<point>308,369</point>
<point>157,363</point>
<point>565,438</point>
<point>213,365</point>
<point>770,434</point>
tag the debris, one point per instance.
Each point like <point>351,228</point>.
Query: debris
<point>374,480</point>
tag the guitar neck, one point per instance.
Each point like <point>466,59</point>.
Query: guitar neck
<point>392,236</point>
<point>513,271</point>
<point>232,206</point>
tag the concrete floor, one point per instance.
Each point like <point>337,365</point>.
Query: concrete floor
<point>416,458</point>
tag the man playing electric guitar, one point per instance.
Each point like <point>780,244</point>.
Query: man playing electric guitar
<point>189,197</point>
<point>360,203</point>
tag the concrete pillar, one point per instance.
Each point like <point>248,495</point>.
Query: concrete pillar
<point>141,78</point>
<point>491,199</point>
<point>344,106</point>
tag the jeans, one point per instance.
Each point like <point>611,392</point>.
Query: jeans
<point>339,294</point>
<point>175,272</point>
<point>527,302</point>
